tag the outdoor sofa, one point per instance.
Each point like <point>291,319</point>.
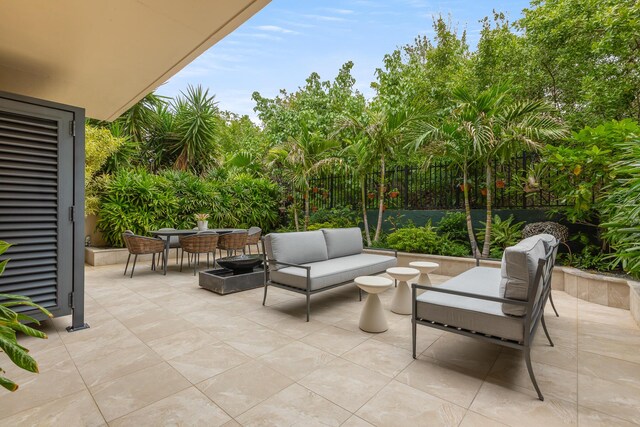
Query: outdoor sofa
<point>502,306</point>
<point>310,262</point>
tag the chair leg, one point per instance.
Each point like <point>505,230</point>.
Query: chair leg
<point>546,332</point>
<point>135,258</point>
<point>127,266</point>
<point>414,326</point>
<point>264,299</point>
<point>196,263</point>
<point>249,249</point>
<point>153,262</point>
<point>257,248</point>
<point>308,305</point>
<point>527,358</point>
<point>360,294</point>
<point>207,259</point>
<point>182,261</point>
<point>552,304</point>
<point>177,250</point>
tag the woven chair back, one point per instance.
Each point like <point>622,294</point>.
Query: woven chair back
<point>199,243</point>
<point>140,245</point>
<point>233,241</point>
<point>254,234</point>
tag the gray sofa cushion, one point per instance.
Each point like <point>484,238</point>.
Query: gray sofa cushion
<point>296,248</point>
<point>334,271</point>
<point>519,267</point>
<point>472,314</point>
<point>343,241</point>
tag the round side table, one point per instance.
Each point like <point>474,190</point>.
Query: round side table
<point>425,267</point>
<point>372,318</point>
<point>401,303</point>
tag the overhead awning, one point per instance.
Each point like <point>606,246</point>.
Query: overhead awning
<point>104,55</point>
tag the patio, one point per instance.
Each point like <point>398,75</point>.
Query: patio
<point>163,351</point>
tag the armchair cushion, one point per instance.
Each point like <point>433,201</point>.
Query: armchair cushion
<point>473,314</point>
<point>343,241</point>
<point>519,267</point>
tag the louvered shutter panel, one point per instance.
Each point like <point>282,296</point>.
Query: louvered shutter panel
<point>34,180</point>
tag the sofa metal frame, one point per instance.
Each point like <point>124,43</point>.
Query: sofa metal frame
<point>533,317</point>
<point>308,291</point>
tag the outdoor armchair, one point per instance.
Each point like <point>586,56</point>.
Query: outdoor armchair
<point>141,245</point>
<point>202,243</point>
<point>253,238</point>
<point>233,242</point>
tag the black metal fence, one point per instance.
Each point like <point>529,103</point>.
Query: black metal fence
<point>438,186</point>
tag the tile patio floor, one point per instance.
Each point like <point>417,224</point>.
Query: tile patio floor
<point>162,351</point>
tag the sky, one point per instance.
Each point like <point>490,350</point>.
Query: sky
<point>280,46</point>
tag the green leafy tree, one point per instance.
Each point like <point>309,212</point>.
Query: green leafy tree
<point>100,145</point>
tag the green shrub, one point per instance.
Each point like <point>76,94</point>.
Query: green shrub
<point>590,257</point>
<point>504,233</point>
<point>449,247</point>
<point>140,201</point>
<point>336,218</point>
<point>414,239</point>
<point>454,224</point>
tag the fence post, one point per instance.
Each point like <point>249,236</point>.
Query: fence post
<point>524,174</point>
<point>331,191</point>
<point>405,193</point>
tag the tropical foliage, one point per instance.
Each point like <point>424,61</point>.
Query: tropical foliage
<point>11,323</point>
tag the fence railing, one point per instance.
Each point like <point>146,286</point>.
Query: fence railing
<point>438,186</point>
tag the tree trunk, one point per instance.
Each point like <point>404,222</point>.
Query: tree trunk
<point>295,212</point>
<point>380,202</point>
<point>367,233</point>
<point>306,208</point>
<point>487,233</point>
<point>467,211</point>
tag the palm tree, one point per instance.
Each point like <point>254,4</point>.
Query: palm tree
<point>300,157</point>
<point>360,161</point>
<point>140,118</point>
<point>381,130</point>
<point>486,127</point>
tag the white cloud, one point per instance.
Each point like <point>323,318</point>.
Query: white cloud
<point>338,11</point>
<point>325,18</point>
<point>275,29</point>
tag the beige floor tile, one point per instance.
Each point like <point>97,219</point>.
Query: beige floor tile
<point>104,336</point>
<point>188,407</point>
<point>612,398</point>
<point>606,315</point>
<point>467,353</point>
<point>355,421</point>
<point>447,382</point>
<point>137,390</point>
<point>334,340</point>
<point>559,356</point>
<point>162,327</point>
<point>257,341</point>
<point>400,405</point>
<point>180,343</point>
<point>103,366</point>
<point>608,368</point>
<point>54,382</point>
<point>345,383</point>
<point>296,360</point>
<point>380,357</point>
<point>208,361</point>
<point>230,328</point>
<point>74,410</point>
<point>553,381</point>
<point>619,343</point>
<point>473,419</point>
<point>244,386</point>
<point>519,407</point>
<point>294,405</point>
<point>296,328</point>
<point>232,423</point>
<point>590,418</point>
<point>399,335</point>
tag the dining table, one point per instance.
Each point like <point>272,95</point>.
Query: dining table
<point>168,233</point>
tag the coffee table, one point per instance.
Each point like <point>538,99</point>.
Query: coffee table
<point>372,318</point>
<point>425,267</point>
<point>401,303</point>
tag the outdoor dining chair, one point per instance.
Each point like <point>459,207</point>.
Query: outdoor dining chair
<point>253,238</point>
<point>233,242</point>
<point>141,245</point>
<point>202,243</point>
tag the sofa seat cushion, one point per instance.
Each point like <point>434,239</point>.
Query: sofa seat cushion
<point>343,241</point>
<point>519,268</point>
<point>470,313</point>
<point>333,271</point>
<point>297,247</point>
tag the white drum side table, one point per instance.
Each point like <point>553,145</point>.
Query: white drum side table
<point>401,303</point>
<point>372,318</point>
<point>425,267</point>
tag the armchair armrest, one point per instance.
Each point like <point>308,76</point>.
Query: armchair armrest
<point>288,264</point>
<point>415,286</point>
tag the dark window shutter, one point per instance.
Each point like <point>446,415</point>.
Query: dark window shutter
<point>31,216</point>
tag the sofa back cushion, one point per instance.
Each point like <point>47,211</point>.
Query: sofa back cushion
<point>297,247</point>
<point>343,241</point>
<point>519,267</point>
